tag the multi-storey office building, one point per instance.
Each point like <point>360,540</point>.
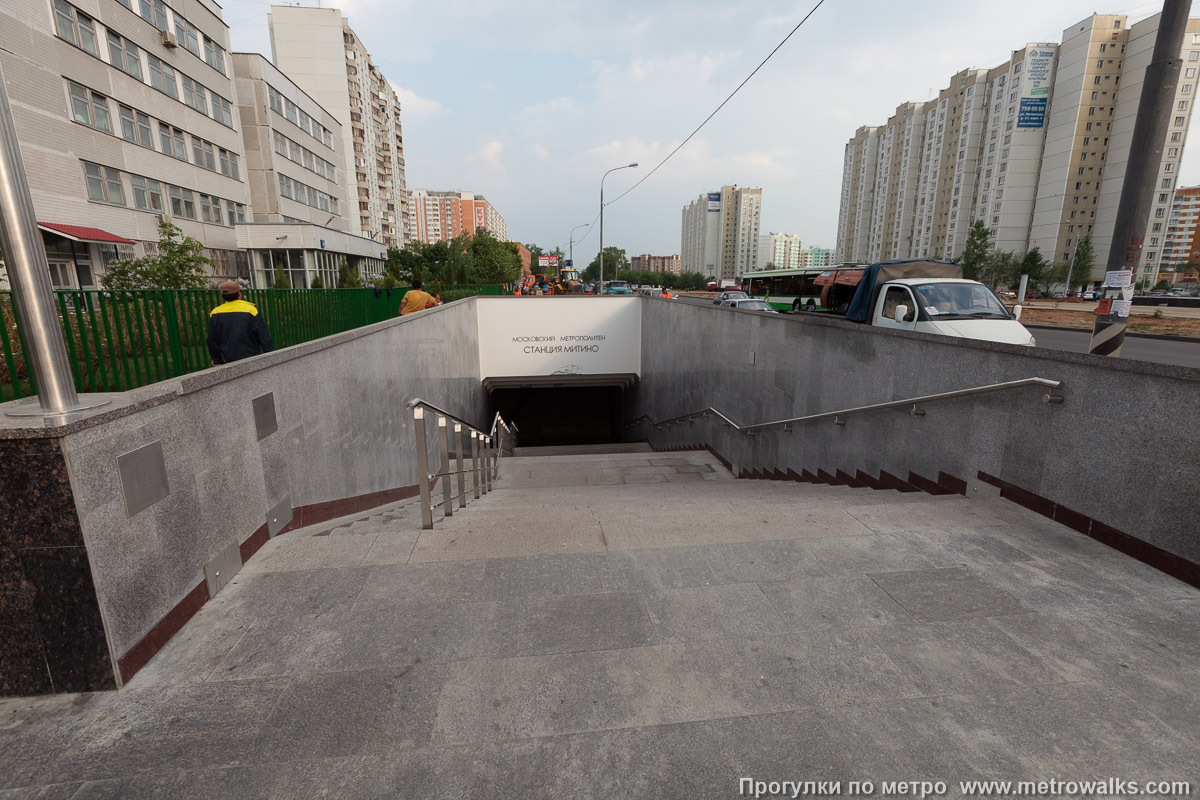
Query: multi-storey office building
<point>1030,147</point>
<point>648,263</point>
<point>778,251</point>
<point>296,170</point>
<point>126,114</point>
<point>720,233</point>
<point>318,50</point>
<point>440,216</point>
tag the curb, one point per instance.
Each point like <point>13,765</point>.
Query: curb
<point>1136,334</point>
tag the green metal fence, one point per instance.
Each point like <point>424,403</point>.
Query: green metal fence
<point>122,340</point>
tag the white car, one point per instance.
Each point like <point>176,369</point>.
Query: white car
<point>749,304</point>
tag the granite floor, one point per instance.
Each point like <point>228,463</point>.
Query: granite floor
<point>642,625</point>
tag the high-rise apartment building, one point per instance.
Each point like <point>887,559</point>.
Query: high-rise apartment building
<point>1035,148</point>
<point>817,258</point>
<point>648,263</point>
<point>317,49</point>
<point>440,216</point>
<point>778,251</point>
<point>720,233</point>
<point>127,117</point>
<point>1181,241</point>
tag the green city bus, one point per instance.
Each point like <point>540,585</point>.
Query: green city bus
<point>789,289</point>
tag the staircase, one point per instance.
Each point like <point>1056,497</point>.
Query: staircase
<point>643,624</point>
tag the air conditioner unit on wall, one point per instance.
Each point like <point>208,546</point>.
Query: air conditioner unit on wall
<point>165,218</point>
<point>169,39</point>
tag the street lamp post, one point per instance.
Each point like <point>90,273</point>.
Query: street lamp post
<point>614,169</point>
<point>571,246</point>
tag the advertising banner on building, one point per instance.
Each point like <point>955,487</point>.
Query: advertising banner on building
<point>714,201</point>
<point>1035,89</point>
<point>480,220</point>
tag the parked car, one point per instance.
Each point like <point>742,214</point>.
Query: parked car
<point>617,287</point>
<point>749,304</point>
<point>1089,295</point>
<point>730,295</point>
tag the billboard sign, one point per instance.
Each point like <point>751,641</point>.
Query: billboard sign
<point>714,201</point>
<point>1039,71</point>
<point>480,220</point>
<point>547,261</point>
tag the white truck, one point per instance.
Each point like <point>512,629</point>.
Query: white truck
<point>922,295</point>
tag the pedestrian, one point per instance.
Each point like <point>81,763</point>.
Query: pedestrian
<point>437,298</point>
<point>235,328</point>
<point>415,300</point>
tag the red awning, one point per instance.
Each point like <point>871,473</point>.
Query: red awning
<point>842,277</point>
<point>78,233</point>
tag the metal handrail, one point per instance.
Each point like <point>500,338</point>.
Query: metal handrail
<point>486,452</point>
<point>1049,397</point>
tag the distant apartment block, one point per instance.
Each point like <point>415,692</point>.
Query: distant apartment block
<point>317,49</point>
<point>648,263</point>
<point>778,251</point>
<point>817,258</point>
<point>127,116</point>
<point>720,233</point>
<point>1181,242</point>
<point>1035,147</point>
<point>440,216</point>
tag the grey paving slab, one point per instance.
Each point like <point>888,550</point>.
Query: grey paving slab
<point>35,731</point>
<point>534,537</point>
<point>803,523</point>
<point>59,791</point>
<point>244,783</point>
<point>396,584</point>
<point>188,727</point>
<point>951,593</point>
<point>849,601</point>
<point>191,654</point>
<point>352,713</point>
<point>656,570</point>
<point>530,578</point>
<point>1061,584</point>
<point>254,595</point>
<point>584,622</point>
<point>967,547</point>
<point>812,558</point>
<point>962,656</point>
<point>1169,695</point>
<point>300,551</point>
<point>714,612</point>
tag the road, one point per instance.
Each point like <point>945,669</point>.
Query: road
<point>1184,354</point>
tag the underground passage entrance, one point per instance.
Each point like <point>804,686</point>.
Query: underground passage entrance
<point>562,413</point>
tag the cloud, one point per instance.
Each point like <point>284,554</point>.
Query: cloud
<point>488,156</point>
<point>412,105</point>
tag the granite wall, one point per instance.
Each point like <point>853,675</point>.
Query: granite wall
<point>1119,457</point>
<point>342,440</point>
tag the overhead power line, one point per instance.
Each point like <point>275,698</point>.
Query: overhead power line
<point>718,108</point>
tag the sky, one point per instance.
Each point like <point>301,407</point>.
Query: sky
<point>530,102</point>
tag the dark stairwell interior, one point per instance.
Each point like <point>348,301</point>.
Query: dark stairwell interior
<point>561,415</point>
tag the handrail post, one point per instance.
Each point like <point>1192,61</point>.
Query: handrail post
<point>444,445</point>
<point>491,464</point>
<point>458,458</point>
<point>475,463</point>
<point>483,450</point>
<point>422,468</point>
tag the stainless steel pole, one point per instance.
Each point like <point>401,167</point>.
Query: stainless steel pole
<point>458,460</point>
<point>475,464</point>
<point>29,274</point>
<point>447,478</point>
<point>423,467</point>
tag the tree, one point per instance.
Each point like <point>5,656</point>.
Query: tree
<point>614,262</point>
<point>1000,269</point>
<point>279,280</point>
<point>1163,284</point>
<point>1085,259</point>
<point>1037,268</point>
<point>976,251</point>
<point>178,264</point>
<point>460,263</point>
<point>317,283</point>
<point>691,280</point>
<point>494,261</point>
<point>348,277</point>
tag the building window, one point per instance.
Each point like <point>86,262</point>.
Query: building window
<point>235,212</point>
<point>135,127</point>
<point>76,27</point>
<point>172,141</point>
<point>210,210</point>
<point>124,55</point>
<point>274,99</point>
<point>89,108</point>
<point>214,55</point>
<point>103,184</point>
<point>193,95</point>
<point>162,77</point>
<point>187,35</point>
<point>147,194</point>
<point>182,203</point>
<point>229,164</point>
<point>154,12</point>
<point>222,112</point>
<point>202,154</point>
